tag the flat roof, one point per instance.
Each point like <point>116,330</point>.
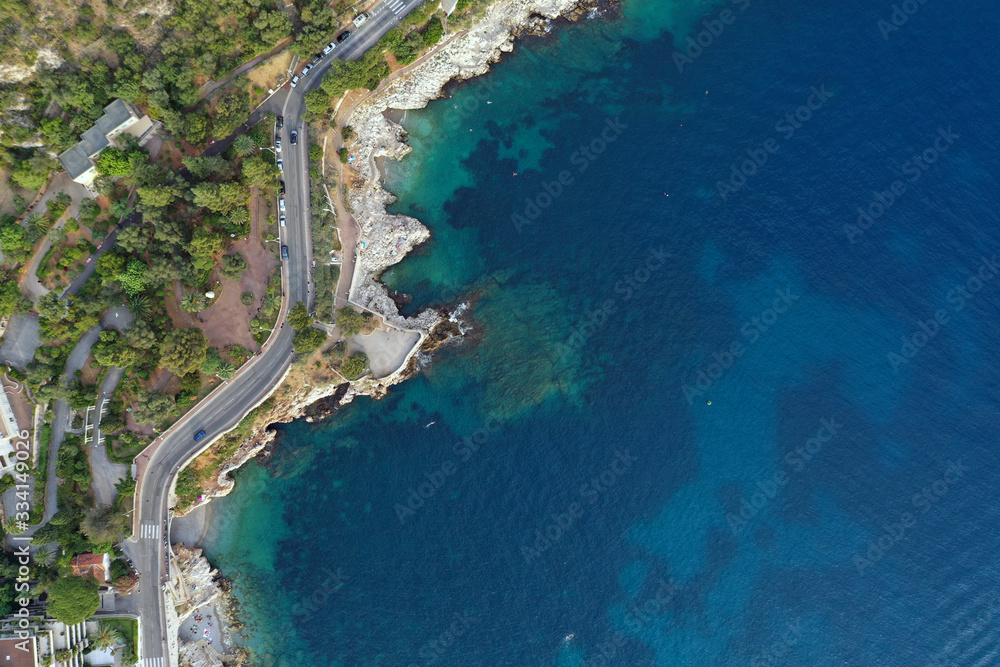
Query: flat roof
<point>12,656</point>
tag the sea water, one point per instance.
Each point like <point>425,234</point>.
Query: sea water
<point>729,396</point>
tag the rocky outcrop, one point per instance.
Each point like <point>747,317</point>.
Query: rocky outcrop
<point>387,238</point>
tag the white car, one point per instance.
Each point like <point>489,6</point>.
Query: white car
<point>281,165</point>
<point>306,69</point>
<point>361,18</point>
<point>295,81</point>
<point>328,48</point>
<point>281,205</point>
<point>277,145</point>
<point>282,220</point>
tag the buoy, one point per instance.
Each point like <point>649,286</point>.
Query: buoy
<point>708,402</point>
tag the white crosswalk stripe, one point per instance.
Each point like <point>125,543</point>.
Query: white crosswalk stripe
<point>151,662</point>
<point>150,531</point>
<point>396,6</point>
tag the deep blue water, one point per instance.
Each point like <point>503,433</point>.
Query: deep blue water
<point>687,428</point>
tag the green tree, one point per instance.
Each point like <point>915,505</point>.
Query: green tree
<point>349,321</point>
<point>299,317</point>
<point>196,128</point>
<point>114,162</point>
<point>225,371</point>
<point>203,247</point>
<point>233,266</point>
<point>193,302</point>
<point>73,600</point>
<point>433,32</point>
<point>260,171</point>
<point>107,637</point>
<point>206,167</point>
<point>10,296</point>
<point>141,336</point>
<point>57,134</point>
<point>183,350</point>
<point>244,145</point>
<point>133,278</point>
<point>104,525</point>
<point>317,102</point>
<point>354,366</point>
<point>134,239</point>
<point>308,340</point>
<point>220,197</point>
<point>109,265</point>
<point>155,407</point>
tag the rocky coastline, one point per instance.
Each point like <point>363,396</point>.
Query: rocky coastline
<point>387,239</point>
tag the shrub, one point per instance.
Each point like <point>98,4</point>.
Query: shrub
<point>246,298</point>
<point>343,154</point>
<point>354,366</point>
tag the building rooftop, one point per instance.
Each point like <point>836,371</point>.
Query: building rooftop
<point>13,656</point>
<point>77,160</point>
<point>90,565</point>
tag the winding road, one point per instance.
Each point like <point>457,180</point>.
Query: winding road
<point>223,409</point>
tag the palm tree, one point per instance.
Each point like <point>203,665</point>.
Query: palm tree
<point>243,145</point>
<point>192,303</point>
<point>225,371</point>
<point>138,305</point>
<point>106,637</point>
<point>45,554</point>
<point>42,223</point>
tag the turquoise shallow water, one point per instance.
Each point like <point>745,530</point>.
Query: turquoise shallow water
<point>638,239</point>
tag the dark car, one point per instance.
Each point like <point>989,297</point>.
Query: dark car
<point>344,35</point>
<point>281,184</point>
<point>199,435</point>
<point>281,122</point>
<point>295,136</point>
<point>284,252</point>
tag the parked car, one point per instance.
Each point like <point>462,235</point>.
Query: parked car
<point>281,165</point>
<point>281,185</point>
<point>295,136</point>
<point>295,81</point>
<point>277,144</point>
<point>344,35</point>
<point>282,220</point>
<point>316,59</point>
<point>284,252</point>
<point>306,69</point>
<point>328,48</point>
<point>199,435</point>
<point>361,18</point>
<point>281,122</point>
<point>281,204</point>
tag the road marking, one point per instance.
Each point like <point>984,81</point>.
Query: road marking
<point>396,5</point>
<point>150,531</point>
<point>151,662</point>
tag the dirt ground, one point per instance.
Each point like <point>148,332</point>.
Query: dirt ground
<point>89,374</point>
<point>267,73</point>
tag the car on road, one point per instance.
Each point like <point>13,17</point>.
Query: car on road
<point>328,48</point>
<point>281,165</point>
<point>277,144</point>
<point>282,220</point>
<point>295,81</point>
<point>284,252</point>
<point>361,18</point>
<point>281,204</point>
<point>306,69</point>
<point>281,122</point>
<point>344,35</point>
<point>199,435</point>
<point>316,59</point>
<point>295,136</point>
<point>281,186</point>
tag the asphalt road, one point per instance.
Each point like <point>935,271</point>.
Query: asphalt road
<point>223,409</point>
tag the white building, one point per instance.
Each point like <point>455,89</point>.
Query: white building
<point>118,117</point>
